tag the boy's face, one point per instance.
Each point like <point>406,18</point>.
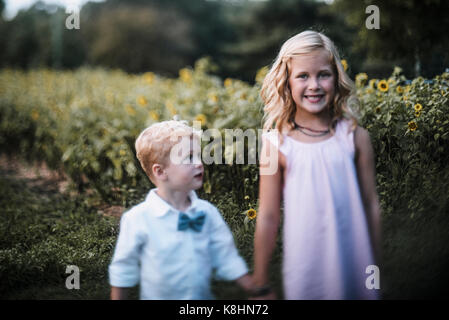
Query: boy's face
<point>185,169</point>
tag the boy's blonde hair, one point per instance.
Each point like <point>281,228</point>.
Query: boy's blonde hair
<point>280,109</point>
<point>155,143</point>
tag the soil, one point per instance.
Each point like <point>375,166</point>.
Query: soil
<point>41,178</point>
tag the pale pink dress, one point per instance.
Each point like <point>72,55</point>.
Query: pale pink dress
<point>326,245</point>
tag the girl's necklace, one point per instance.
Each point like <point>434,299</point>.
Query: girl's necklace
<point>300,128</point>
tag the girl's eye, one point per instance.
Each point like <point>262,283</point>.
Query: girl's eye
<point>302,76</point>
<point>325,75</point>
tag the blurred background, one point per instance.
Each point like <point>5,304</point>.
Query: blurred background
<point>240,36</point>
<point>73,101</point>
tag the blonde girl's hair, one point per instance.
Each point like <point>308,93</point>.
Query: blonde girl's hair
<point>280,109</point>
<point>155,143</point>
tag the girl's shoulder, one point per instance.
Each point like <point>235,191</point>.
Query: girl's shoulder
<point>276,138</point>
<point>347,126</point>
<point>362,139</point>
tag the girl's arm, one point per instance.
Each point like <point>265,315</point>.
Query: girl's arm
<point>270,188</point>
<point>366,173</point>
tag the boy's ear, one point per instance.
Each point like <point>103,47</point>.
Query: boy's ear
<point>158,171</point>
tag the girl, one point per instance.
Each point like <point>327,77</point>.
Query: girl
<point>325,175</point>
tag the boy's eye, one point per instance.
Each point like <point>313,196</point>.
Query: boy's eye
<point>191,158</point>
<point>188,159</point>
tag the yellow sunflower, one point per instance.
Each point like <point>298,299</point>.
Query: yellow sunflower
<point>399,89</point>
<point>344,63</point>
<point>251,213</point>
<point>418,107</point>
<point>149,77</point>
<point>171,107</point>
<point>130,110</point>
<point>185,75</point>
<point>361,79</point>
<point>417,113</point>
<point>141,101</point>
<point>228,82</point>
<point>412,125</point>
<point>261,74</point>
<point>154,115</point>
<point>382,86</point>
<point>213,97</point>
<point>201,118</point>
<point>34,115</point>
<point>372,83</point>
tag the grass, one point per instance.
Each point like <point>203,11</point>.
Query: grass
<point>42,231</point>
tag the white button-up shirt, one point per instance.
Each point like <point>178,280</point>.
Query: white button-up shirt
<point>172,264</point>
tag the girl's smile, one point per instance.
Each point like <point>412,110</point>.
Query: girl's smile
<point>312,82</point>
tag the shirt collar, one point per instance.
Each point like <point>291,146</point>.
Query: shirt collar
<point>159,207</point>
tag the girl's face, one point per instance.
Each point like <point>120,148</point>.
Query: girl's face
<point>312,81</point>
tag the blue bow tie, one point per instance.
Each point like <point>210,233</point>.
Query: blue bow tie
<point>196,224</point>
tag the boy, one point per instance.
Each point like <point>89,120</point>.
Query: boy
<point>171,242</point>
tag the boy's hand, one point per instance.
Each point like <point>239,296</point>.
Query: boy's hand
<point>245,282</point>
<point>262,293</point>
<point>270,296</point>
<point>119,293</point>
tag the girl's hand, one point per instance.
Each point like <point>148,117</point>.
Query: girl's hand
<point>270,296</point>
<point>262,293</point>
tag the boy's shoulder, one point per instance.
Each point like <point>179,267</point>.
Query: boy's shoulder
<point>206,205</point>
<point>140,210</point>
<point>137,211</point>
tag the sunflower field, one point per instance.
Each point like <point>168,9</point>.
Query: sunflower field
<point>84,123</point>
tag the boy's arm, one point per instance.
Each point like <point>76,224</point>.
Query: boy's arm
<point>124,270</point>
<point>225,257</point>
<point>118,293</point>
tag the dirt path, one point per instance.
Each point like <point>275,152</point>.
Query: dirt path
<point>39,177</point>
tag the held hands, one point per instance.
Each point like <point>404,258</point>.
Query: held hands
<point>256,292</point>
<point>262,293</point>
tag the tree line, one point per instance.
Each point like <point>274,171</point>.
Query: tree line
<point>240,36</point>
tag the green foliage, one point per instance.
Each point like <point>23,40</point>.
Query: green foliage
<point>411,35</point>
<point>264,25</point>
<point>241,36</point>
<point>85,123</point>
<point>405,153</point>
<point>91,134</point>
